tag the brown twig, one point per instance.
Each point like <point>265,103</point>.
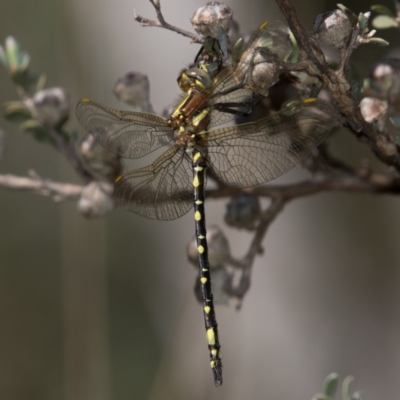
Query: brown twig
<point>266,219</point>
<point>164,24</point>
<point>67,148</point>
<point>374,183</point>
<point>341,179</point>
<point>60,142</point>
<point>339,85</point>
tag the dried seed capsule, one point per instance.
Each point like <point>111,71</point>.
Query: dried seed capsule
<point>134,89</point>
<point>207,19</point>
<point>52,106</point>
<point>264,71</point>
<point>385,77</point>
<point>221,281</point>
<point>96,200</point>
<point>243,211</point>
<point>332,28</point>
<point>99,160</point>
<point>374,111</point>
<point>218,248</point>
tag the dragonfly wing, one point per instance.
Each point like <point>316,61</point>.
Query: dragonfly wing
<point>243,98</point>
<point>251,154</point>
<point>162,190</point>
<point>256,74</point>
<point>125,133</point>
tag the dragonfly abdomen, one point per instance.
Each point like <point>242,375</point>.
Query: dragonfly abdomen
<point>199,164</point>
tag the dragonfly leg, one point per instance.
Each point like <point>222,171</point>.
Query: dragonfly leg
<point>234,108</point>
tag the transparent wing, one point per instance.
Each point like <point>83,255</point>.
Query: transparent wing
<point>162,190</point>
<point>273,36</point>
<point>251,154</point>
<point>125,133</point>
<point>224,95</point>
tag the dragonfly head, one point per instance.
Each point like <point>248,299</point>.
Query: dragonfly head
<point>194,77</point>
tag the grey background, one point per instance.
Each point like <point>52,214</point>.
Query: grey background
<point>105,310</point>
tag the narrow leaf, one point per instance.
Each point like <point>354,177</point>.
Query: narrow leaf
<point>395,120</point>
<point>384,22</point>
<point>346,387</point>
<point>331,384</point>
<point>381,9</point>
<point>378,41</point>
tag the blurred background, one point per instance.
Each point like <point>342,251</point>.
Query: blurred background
<point>104,309</point>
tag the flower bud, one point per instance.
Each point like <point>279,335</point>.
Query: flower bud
<point>221,281</point>
<point>52,106</point>
<point>264,71</point>
<point>134,89</point>
<point>332,29</point>
<point>218,248</point>
<point>96,199</point>
<point>243,211</point>
<point>385,78</point>
<point>99,160</point>
<point>374,111</point>
<point>12,58</point>
<point>207,19</point>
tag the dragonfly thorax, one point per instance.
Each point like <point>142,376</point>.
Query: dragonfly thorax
<point>192,105</point>
<point>188,139</point>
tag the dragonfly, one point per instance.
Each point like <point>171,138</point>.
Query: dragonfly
<point>240,156</point>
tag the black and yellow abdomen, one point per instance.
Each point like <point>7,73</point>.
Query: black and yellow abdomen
<point>199,164</point>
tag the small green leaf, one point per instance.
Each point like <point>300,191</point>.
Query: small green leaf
<point>378,41</point>
<point>237,48</point>
<point>12,51</point>
<point>363,23</point>
<point>24,59</point>
<point>395,120</point>
<point>223,40</point>
<point>294,55</point>
<point>15,111</point>
<point>381,9</point>
<point>41,82</point>
<point>384,22</point>
<point>3,57</point>
<point>38,132</point>
<point>346,387</point>
<point>331,384</point>
<point>321,396</point>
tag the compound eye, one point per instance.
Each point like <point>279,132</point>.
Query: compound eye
<point>200,77</point>
<point>184,82</point>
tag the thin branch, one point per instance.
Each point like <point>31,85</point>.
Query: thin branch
<point>346,53</point>
<point>339,85</point>
<point>375,183</point>
<point>266,219</point>
<point>60,142</point>
<point>308,50</point>
<point>57,191</point>
<point>164,24</point>
<point>280,195</point>
<point>67,148</point>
